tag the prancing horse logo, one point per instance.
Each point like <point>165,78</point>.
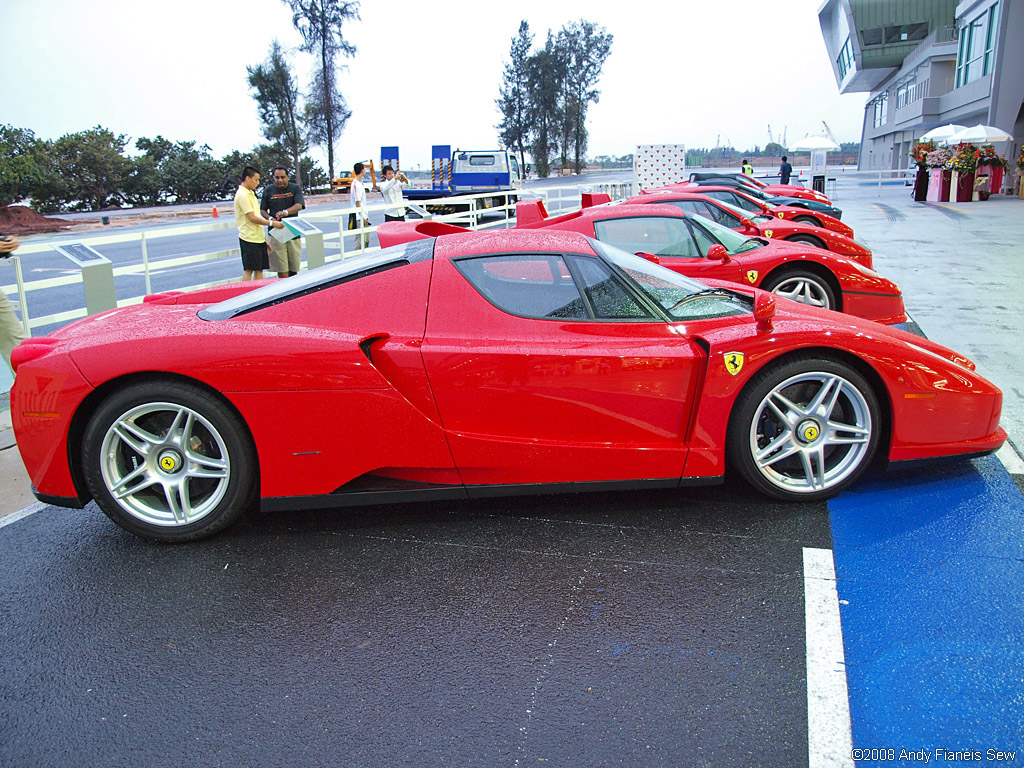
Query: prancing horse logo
<point>752,276</point>
<point>733,362</point>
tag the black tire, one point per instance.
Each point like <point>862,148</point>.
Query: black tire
<point>803,286</point>
<point>184,461</point>
<point>807,220</point>
<point>787,445</point>
<point>817,242</point>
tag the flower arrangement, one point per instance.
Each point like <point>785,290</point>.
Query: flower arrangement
<point>987,156</point>
<point>938,158</point>
<point>919,152</point>
<point>964,159</point>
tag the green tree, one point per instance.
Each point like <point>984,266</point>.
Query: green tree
<point>584,47</point>
<point>145,183</point>
<point>545,77</point>
<point>89,169</point>
<point>320,24</point>
<point>514,95</point>
<point>191,174</point>
<point>278,100</point>
<point>23,160</point>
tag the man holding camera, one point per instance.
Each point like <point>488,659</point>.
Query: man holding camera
<point>391,188</point>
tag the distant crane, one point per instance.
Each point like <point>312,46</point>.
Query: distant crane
<point>771,137</point>
<point>828,132</point>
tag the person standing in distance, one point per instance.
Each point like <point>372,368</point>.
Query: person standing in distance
<point>785,170</point>
<point>357,196</point>
<point>748,168</point>
<point>392,191</point>
<point>10,329</point>
<point>251,240</point>
<point>283,199</point>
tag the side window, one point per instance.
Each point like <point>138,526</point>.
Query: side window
<point>704,240</point>
<point>608,296</point>
<point>740,201</point>
<point>649,234</point>
<point>693,206</point>
<point>723,217</point>
<point>529,285</point>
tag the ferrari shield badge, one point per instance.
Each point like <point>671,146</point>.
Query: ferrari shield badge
<point>734,362</point>
<point>752,276</point>
<point>768,233</point>
<point>782,214</point>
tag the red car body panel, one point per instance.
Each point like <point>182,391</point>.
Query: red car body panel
<point>411,375</point>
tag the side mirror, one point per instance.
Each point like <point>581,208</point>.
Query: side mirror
<point>764,311</point>
<point>749,227</point>
<point>648,256</point>
<point>717,252</point>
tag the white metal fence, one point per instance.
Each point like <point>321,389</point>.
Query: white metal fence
<point>332,247</point>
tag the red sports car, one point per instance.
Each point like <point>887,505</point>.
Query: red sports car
<point>762,225</point>
<point>741,199</point>
<point>699,247</point>
<point>471,366</point>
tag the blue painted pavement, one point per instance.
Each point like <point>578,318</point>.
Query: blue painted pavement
<point>930,574</point>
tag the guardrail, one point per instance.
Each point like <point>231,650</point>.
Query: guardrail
<point>558,199</point>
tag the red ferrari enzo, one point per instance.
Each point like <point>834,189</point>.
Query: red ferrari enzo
<point>781,190</point>
<point>698,247</point>
<point>473,366</point>
<point>761,225</point>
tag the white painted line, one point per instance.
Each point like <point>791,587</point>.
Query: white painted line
<point>14,517</point>
<point>1011,459</point>
<point>829,736</point>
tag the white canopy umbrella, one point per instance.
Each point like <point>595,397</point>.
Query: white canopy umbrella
<point>980,134</point>
<point>942,133</point>
<point>811,143</point>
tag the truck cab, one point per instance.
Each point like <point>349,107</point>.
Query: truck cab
<point>485,170</point>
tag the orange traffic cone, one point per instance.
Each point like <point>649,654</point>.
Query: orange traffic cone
<point>215,214</point>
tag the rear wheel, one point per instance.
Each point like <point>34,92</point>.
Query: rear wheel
<point>817,242</point>
<point>807,220</point>
<point>804,429</point>
<point>168,461</point>
<point>803,286</point>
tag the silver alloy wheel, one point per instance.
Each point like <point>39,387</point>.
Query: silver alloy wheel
<point>810,432</point>
<point>803,289</point>
<point>165,464</point>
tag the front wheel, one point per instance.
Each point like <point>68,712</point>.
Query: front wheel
<point>817,242</point>
<point>802,286</point>
<point>808,220</point>
<point>804,430</point>
<point>169,461</point>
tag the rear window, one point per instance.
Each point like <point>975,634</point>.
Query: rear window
<point>318,279</point>
<point>481,159</point>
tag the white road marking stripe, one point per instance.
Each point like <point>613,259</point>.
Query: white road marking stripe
<point>14,517</point>
<point>829,736</point>
<point>1011,459</point>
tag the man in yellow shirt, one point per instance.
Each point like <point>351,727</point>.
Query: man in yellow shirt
<point>251,240</point>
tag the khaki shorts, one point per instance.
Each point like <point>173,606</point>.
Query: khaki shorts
<point>285,257</point>
<point>11,332</point>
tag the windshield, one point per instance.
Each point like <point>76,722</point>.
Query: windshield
<point>682,298</point>
<point>733,241</point>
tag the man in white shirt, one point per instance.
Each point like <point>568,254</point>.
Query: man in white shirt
<point>357,196</point>
<point>392,191</point>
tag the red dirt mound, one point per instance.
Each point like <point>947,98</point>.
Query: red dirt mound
<point>19,220</point>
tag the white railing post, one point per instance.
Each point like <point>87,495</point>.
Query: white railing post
<point>22,305</point>
<point>341,236</point>
<point>145,264</point>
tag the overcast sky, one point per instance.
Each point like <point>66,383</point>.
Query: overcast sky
<point>424,73</point>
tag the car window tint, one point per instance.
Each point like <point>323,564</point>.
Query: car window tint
<point>649,234</point>
<point>723,217</point>
<point>608,296</point>
<point>526,285</point>
<point>693,206</point>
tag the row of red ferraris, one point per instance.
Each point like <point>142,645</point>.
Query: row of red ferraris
<point>678,338</point>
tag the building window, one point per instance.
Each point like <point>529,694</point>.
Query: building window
<point>976,54</point>
<point>894,35</point>
<point>905,93</point>
<point>845,59</point>
<point>881,109</point>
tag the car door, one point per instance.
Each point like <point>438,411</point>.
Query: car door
<point>546,368</point>
<point>677,244</point>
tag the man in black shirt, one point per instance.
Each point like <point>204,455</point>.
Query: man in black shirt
<point>785,170</point>
<point>282,199</point>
